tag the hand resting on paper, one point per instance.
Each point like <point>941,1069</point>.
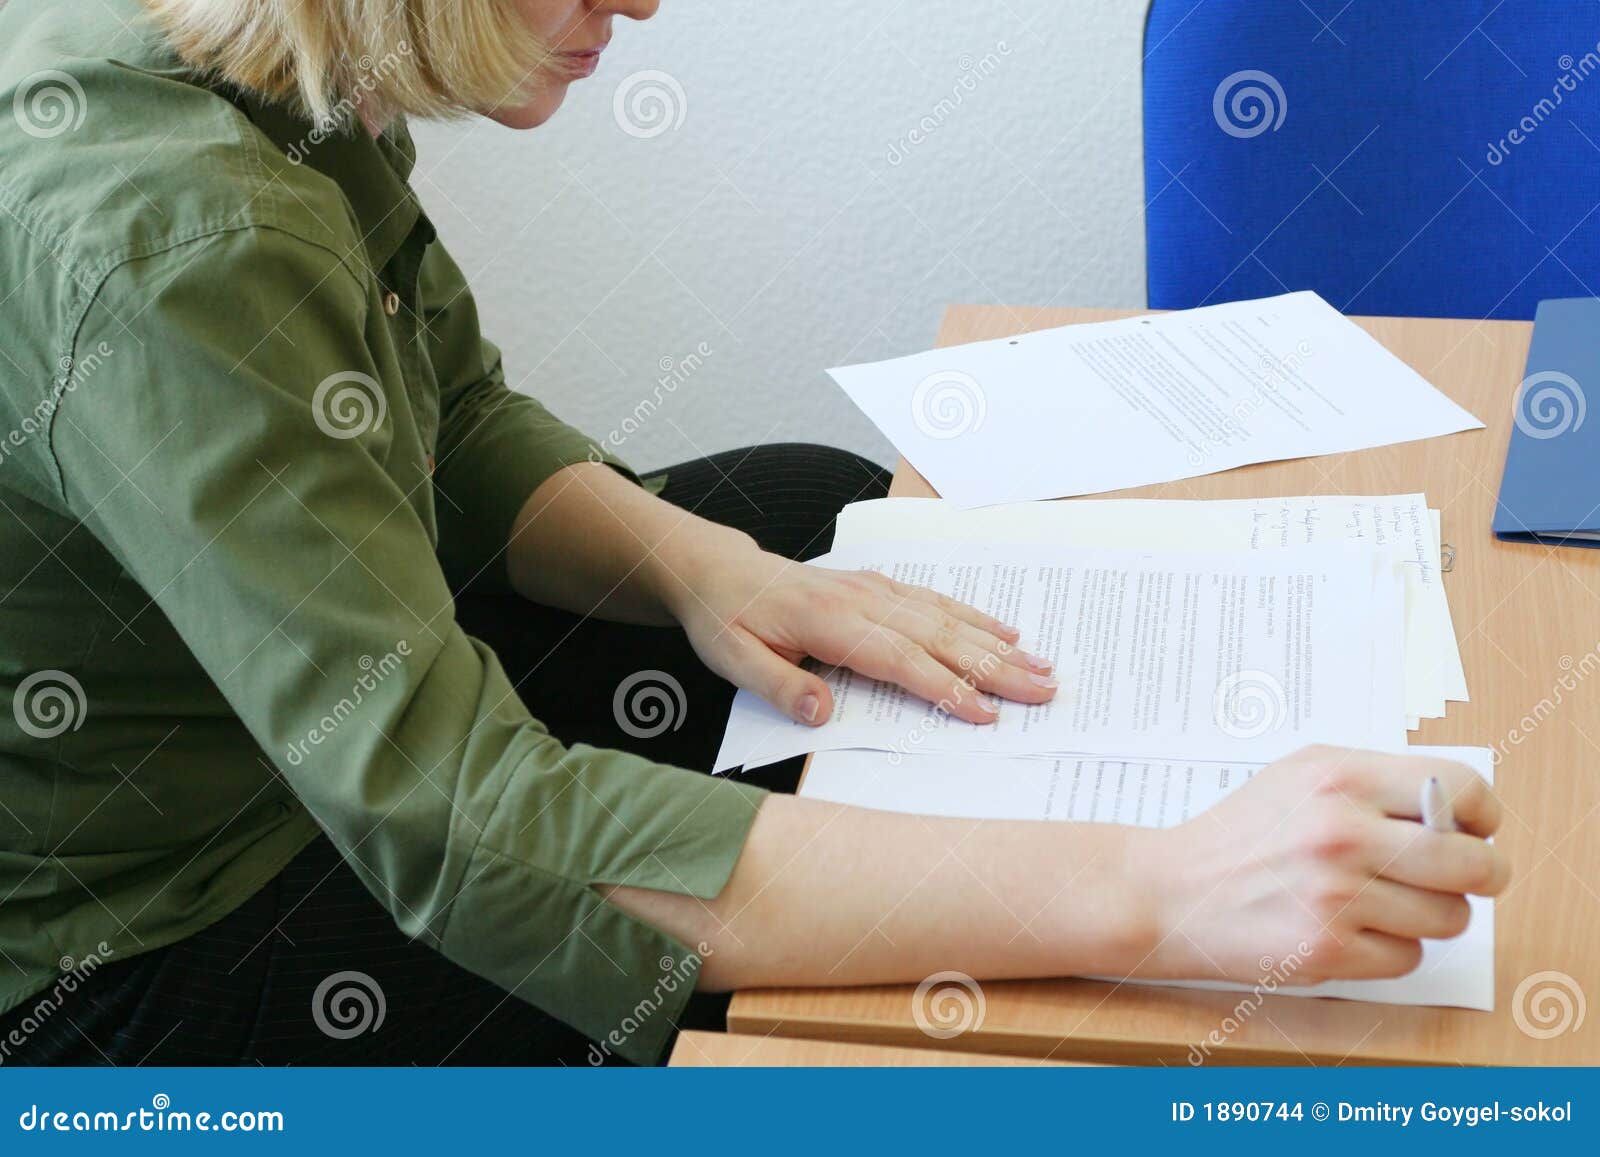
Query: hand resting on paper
<point>752,615</point>
<point>753,618</point>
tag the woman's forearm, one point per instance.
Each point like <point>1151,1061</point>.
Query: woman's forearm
<point>832,895</point>
<point>1318,858</point>
<point>590,541</point>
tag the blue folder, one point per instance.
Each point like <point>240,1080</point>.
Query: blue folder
<point>1550,491</point>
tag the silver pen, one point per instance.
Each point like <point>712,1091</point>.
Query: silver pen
<point>1437,813</point>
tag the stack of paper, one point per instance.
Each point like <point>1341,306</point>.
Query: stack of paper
<point>1174,654</point>
<point>1399,523</point>
<point>1194,642</point>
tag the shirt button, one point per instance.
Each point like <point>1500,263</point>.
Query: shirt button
<point>391,303</point>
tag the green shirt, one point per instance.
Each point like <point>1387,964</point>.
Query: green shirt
<point>248,428</point>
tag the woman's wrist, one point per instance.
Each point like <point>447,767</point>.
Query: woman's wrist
<point>692,558</point>
<point>1163,871</point>
<point>1124,925</point>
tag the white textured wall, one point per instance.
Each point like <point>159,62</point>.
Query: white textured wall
<point>787,224</point>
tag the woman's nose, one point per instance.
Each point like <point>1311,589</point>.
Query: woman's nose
<point>632,9</point>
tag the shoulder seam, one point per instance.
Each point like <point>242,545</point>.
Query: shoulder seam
<point>55,239</point>
<point>73,327</point>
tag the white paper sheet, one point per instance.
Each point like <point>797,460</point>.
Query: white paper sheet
<point>1147,793</point>
<point>1242,655</point>
<point>1085,409</point>
<point>1401,523</point>
<point>1455,673</point>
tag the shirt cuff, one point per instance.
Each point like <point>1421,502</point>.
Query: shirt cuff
<point>552,939</point>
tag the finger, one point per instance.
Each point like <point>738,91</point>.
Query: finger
<point>887,654</point>
<point>956,609</point>
<point>1409,853</point>
<point>749,663</point>
<point>1372,956</point>
<point>1393,784</point>
<point>914,616</point>
<point>1410,913</point>
<point>977,656</point>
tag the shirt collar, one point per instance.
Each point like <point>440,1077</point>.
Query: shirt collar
<point>373,172</point>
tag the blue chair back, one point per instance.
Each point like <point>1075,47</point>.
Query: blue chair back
<point>1434,158</point>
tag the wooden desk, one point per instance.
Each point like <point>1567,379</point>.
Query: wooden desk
<point>702,1050</point>
<point>1527,617</point>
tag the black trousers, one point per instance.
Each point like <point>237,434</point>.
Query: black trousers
<point>242,991</point>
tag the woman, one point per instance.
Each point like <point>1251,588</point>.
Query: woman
<point>268,489</point>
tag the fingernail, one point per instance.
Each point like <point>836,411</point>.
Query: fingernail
<point>1037,662</point>
<point>1009,629</point>
<point>1043,680</point>
<point>808,707</point>
<point>992,706</point>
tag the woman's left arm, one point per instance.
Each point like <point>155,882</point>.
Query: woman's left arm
<point>591,541</point>
<point>579,534</point>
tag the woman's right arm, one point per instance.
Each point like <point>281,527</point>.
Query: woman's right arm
<point>1320,857</point>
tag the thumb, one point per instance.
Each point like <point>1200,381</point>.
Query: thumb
<point>792,689</point>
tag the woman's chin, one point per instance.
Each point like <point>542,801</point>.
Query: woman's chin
<point>533,112</point>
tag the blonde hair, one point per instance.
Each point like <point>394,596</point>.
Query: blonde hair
<point>428,58</point>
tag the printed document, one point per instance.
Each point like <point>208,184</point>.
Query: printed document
<point>1241,655</point>
<point>1084,409</point>
<point>1400,523</point>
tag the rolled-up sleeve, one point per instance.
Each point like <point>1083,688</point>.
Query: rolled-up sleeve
<point>297,566</point>
<point>496,445</point>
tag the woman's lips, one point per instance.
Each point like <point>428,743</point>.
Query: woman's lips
<point>581,64</point>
